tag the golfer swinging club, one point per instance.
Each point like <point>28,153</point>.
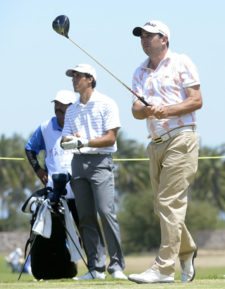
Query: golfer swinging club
<point>170,83</point>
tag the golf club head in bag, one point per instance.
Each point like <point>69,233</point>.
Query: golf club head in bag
<point>61,25</point>
<point>59,187</point>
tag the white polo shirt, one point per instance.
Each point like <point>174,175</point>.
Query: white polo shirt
<point>166,86</point>
<point>92,120</point>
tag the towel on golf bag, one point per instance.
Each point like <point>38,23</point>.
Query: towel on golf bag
<point>52,256</point>
<point>43,223</point>
<point>43,226</point>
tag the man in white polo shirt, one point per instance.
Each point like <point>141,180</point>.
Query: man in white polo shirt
<point>90,129</point>
<point>47,138</point>
<point>169,82</point>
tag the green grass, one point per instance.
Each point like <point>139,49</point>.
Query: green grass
<point>206,278</point>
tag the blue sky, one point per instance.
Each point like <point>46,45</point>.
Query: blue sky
<point>34,58</point>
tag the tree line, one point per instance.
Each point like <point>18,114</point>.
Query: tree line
<point>139,225</point>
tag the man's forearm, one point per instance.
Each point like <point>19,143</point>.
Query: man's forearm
<point>32,158</point>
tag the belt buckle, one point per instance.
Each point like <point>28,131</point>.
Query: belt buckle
<point>158,140</point>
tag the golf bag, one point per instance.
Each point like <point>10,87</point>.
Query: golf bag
<point>53,239</point>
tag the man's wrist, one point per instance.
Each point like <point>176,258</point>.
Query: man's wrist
<point>83,143</point>
<point>166,111</point>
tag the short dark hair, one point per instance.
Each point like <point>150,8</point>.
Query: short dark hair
<point>93,84</point>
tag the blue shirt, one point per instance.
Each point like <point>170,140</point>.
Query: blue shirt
<point>36,143</point>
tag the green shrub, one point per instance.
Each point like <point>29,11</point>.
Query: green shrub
<point>140,228</point>
<point>139,225</point>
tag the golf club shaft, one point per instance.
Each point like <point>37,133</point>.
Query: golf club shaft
<point>31,246</point>
<point>127,87</point>
<point>74,243</point>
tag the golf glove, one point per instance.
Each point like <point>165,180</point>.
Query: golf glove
<point>74,143</point>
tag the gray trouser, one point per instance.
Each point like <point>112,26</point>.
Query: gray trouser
<point>93,185</point>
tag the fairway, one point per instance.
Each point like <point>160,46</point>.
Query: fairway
<point>210,266</point>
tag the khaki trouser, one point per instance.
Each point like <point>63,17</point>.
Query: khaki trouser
<point>173,165</point>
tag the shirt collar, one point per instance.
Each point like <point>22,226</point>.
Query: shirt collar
<point>92,98</point>
<point>166,58</point>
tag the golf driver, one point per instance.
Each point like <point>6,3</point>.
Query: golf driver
<point>61,25</point>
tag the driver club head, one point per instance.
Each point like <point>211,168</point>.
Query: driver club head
<point>61,25</point>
